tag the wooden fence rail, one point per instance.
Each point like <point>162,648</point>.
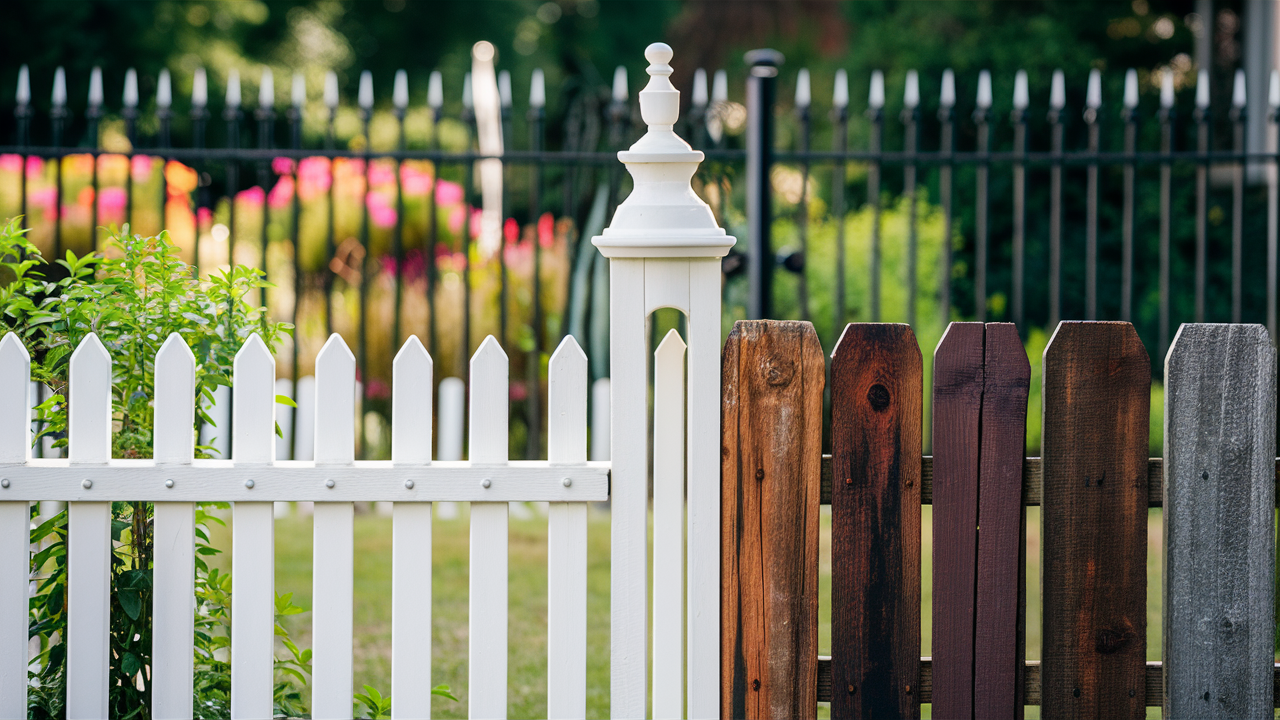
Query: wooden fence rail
<point>1216,482</point>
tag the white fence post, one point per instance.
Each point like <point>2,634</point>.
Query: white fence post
<point>654,265</point>
<point>173,599</point>
<point>411,382</point>
<point>253,605</point>
<point>567,538</point>
<point>89,535</point>
<point>600,419</point>
<point>333,551</point>
<point>15,520</point>
<point>487,671</point>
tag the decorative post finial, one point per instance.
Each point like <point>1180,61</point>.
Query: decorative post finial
<point>662,217</point>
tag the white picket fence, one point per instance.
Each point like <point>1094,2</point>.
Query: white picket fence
<point>253,480</point>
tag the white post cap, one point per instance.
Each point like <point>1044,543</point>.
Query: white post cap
<point>662,217</point>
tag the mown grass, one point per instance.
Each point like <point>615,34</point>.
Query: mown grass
<point>526,660</point>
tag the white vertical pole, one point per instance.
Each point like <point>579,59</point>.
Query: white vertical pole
<point>668,528</point>
<point>173,599</point>
<point>411,382</point>
<point>253,537</point>
<point>487,670</point>
<point>629,490</point>
<point>452,418</point>
<point>600,419</point>
<point>305,399</point>
<point>704,489</point>
<point>15,519</point>
<point>89,541</point>
<point>567,538</point>
<point>333,552</point>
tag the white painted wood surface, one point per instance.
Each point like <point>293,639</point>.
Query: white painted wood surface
<point>305,398</point>
<point>567,538</point>
<point>452,421</point>
<point>15,447</point>
<point>600,420</point>
<point>629,506</point>
<point>173,599</point>
<point>333,553</point>
<point>668,527</point>
<point>703,510</point>
<point>487,659</point>
<point>411,537</point>
<point>253,537</point>
<point>89,540</point>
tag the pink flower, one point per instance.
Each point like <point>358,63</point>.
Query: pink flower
<point>511,231</point>
<point>35,168</point>
<point>414,181</point>
<point>380,173</point>
<point>141,168</point>
<point>456,218</point>
<point>375,389</point>
<point>44,197</point>
<point>204,216</point>
<point>476,218</point>
<point>314,177</point>
<point>111,202</point>
<point>282,193</point>
<point>448,193</point>
<point>282,166</point>
<point>546,230</point>
<point>11,163</point>
<point>252,196</point>
<point>381,213</point>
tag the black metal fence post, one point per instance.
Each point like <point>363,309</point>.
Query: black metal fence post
<point>1021,99</point>
<point>946,117</point>
<point>1201,118</point>
<point>840,144</point>
<point>1239,114</point>
<point>1057,103</point>
<point>1130,118</point>
<point>761,90</point>
<point>1092,118</point>
<point>983,171</point>
<point>1166,190</point>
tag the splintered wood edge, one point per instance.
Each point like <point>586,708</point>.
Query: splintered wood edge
<point>1030,682</point>
<point>1032,481</point>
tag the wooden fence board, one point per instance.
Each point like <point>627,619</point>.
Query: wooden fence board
<point>876,401</point>
<point>957,414</point>
<point>1097,381</point>
<point>1219,532</point>
<point>1000,611</point>
<point>772,386</point>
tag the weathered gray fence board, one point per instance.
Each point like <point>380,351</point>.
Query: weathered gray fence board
<point>1219,500</point>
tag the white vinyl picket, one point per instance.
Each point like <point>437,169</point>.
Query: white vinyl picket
<point>15,517</point>
<point>253,536</point>
<point>173,599</point>
<point>89,535</point>
<point>411,381</point>
<point>567,538</point>
<point>453,418</point>
<point>600,419</point>
<point>668,528</point>
<point>487,661</point>
<point>333,566</point>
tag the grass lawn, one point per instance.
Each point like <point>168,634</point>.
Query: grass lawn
<point>527,660</point>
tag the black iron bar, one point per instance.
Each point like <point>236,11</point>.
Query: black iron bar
<point>130,115</point>
<point>1092,116</point>
<point>58,118</point>
<point>1055,219</point>
<point>164,117</point>
<point>533,369</point>
<point>1166,189</point>
<point>199,122</point>
<point>232,117</point>
<point>910,122</point>
<point>433,224</point>
<point>1273,221</point>
<point>761,89</point>
<point>1238,116</point>
<point>504,282</point>
<point>22,115</point>
<point>802,208</point>
<point>1019,120</point>
<point>1202,206</point>
<point>839,143</point>
<point>331,247</point>
<point>876,115</point>
<point>294,115</point>
<point>946,116</point>
<point>397,240</point>
<point>464,347</point>
<point>1130,119</point>
<point>362,364</point>
<point>266,117</point>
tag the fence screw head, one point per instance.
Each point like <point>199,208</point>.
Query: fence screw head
<point>329,483</point>
<point>485,483</point>
<point>86,484</point>
<point>248,484</point>
<point>408,484</point>
<point>4,483</point>
<point>168,483</point>
<point>565,482</point>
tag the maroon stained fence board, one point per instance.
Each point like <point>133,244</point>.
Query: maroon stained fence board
<point>876,401</point>
<point>999,653</point>
<point>771,469</point>
<point>1097,385</point>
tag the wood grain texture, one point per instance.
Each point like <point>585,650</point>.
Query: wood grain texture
<point>957,415</point>
<point>876,401</point>
<point>773,380</point>
<point>1097,384</point>
<point>1219,532</point>
<point>1001,581</point>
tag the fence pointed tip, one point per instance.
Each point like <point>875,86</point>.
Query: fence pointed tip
<point>984,90</point>
<point>96,95</point>
<point>504,88</point>
<point>1239,93</point>
<point>489,348</point>
<point>468,101</point>
<point>1131,89</point>
<point>59,97</point>
<point>1273,90</point>
<point>23,96</point>
<point>335,347</point>
<point>435,90</point>
<point>620,82</point>
<point>298,93</point>
<point>174,346</point>
<point>875,97</point>
<point>1093,91</point>
<point>671,343</point>
<point>700,95</point>
<point>267,89</point>
<point>1202,89</point>
<point>568,350</point>
<point>130,96</point>
<point>911,91</point>
<point>11,347</point>
<point>947,98</point>
<point>1058,90</point>
<point>804,95</point>
<point>1021,93</point>
<point>164,90</point>
<point>400,90</point>
<point>200,88</point>
<point>253,349</point>
<point>331,89</point>
<point>720,87</point>
<point>840,90</point>
<point>233,88</point>
<point>1166,89</point>
<point>90,348</point>
<point>364,97</point>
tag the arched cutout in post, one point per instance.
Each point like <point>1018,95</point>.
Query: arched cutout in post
<point>663,248</point>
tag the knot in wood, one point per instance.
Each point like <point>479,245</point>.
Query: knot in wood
<point>759,474</point>
<point>778,372</point>
<point>1110,640</point>
<point>879,397</point>
<point>755,685</point>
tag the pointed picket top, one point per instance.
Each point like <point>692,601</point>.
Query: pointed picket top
<point>911,91</point>
<point>1093,90</point>
<point>1238,93</point>
<point>298,92</point>
<point>504,88</point>
<point>175,402</point>
<point>96,95</point>
<point>164,90</point>
<point>1058,90</point>
<point>89,427</point>
<point>947,97</point>
<point>468,101</point>
<point>200,89</point>
<point>331,90</point>
<point>267,89</point>
<point>435,91</point>
<point>411,402</point>
<point>1166,89</point>
<point>537,89</point>
<point>1202,89</point>
<point>699,97</point>
<point>253,399</point>
<point>840,90</point>
<point>671,343</point>
<point>489,403</point>
<point>1130,89</point>
<point>335,403</point>
<point>130,97</point>
<point>23,96</point>
<point>984,90</point>
<point>364,95</point>
<point>400,90</point>
<point>875,94</point>
<point>15,410</point>
<point>567,403</point>
<point>1021,94</point>
<point>233,89</point>
<point>804,93</point>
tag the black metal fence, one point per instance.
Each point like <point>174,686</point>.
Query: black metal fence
<point>1076,211</point>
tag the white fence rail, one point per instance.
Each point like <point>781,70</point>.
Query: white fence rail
<point>253,479</point>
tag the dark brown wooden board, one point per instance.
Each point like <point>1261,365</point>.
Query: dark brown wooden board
<point>773,377</point>
<point>957,415</point>
<point>1001,580</point>
<point>1096,391</point>
<point>876,407</point>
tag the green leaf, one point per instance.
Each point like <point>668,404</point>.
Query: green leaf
<point>443,691</point>
<point>130,664</point>
<point>286,400</point>
<point>131,603</point>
